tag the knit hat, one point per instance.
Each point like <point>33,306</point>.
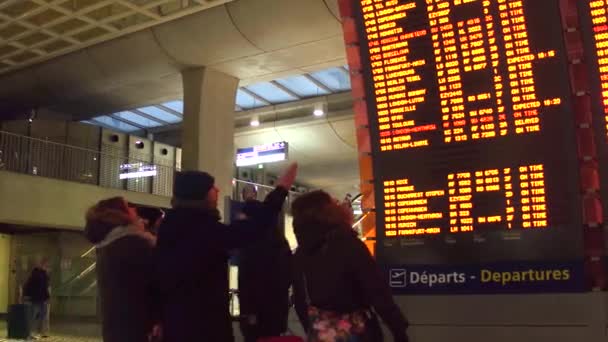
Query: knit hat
<point>192,185</point>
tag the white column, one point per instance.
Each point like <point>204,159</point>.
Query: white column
<point>208,126</point>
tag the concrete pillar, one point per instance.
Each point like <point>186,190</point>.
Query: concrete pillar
<point>208,127</point>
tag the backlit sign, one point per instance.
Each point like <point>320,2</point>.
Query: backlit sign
<point>261,154</point>
<point>137,170</point>
<point>472,130</point>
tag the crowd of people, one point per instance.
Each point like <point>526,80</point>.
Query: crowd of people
<point>165,277</point>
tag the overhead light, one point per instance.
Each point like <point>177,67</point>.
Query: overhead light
<point>319,110</point>
<point>255,121</point>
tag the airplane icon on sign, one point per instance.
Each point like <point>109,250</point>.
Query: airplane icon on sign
<point>398,277</point>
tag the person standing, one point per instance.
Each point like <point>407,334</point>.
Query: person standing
<point>37,291</point>
<point>264,280</point>
<point>193,252</point>
<point>338,287</point>
<point>125,270</point>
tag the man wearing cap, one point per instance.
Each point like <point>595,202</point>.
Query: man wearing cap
<point>193,250</point>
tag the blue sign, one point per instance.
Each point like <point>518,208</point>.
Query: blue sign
<point>261,154</point>
<point>520,277</point>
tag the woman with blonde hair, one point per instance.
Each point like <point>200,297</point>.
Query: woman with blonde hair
<point>338,287</point>
<point>125,270</point>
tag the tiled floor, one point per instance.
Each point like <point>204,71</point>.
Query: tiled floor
<point>64,332</point>
<point>90,332</point>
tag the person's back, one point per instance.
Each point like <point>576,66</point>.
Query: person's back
<point>37,286</point>
<point>334,271</point>
<point>193,277</point>
<point>193,251</point>
<point>36,290</point>
<point>264,281</point>
<point>125,277</point>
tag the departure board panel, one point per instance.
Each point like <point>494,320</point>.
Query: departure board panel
<point>484,72</point>
<point>594,22</point>
<point>473,136</point>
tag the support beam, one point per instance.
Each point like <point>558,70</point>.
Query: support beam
<point>318,84</point>
<point>285,89</point>
<point>148,116</point>
<point>255,96</point>
<point>170,111</point>
<point>128,122</point>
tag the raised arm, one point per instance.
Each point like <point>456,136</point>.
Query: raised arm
<point>260,217</point>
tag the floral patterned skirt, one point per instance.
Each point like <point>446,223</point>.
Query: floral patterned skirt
<point>328,326</point>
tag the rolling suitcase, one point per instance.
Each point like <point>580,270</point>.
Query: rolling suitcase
<point>18,321</point>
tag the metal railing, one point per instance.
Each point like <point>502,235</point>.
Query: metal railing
<point>262,190</point>
<point>46,158</point>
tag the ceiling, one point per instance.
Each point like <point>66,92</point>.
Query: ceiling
<point>32,31</point>
<point>167,115</point>
<point>251,40</point>
<point>86,58</point>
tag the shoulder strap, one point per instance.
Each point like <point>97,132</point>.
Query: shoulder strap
<point>306,294</point>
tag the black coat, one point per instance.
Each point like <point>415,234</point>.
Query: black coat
<point>193,251</point>
<point>264,281</point>
<point>126,285</point>
<point>341,276</point>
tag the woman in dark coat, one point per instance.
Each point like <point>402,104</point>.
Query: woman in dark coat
<point>334,271</point>
<point>125,273</point>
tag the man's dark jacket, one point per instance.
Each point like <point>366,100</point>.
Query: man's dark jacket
<point>37,286</point>
<point>193,250</point>
<point>264,281</point>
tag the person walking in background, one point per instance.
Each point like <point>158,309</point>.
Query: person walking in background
<point>125,270</point>
<point>264,280</point>
<point>193,252</point>
<point>37,292</point>
<point>337,284</point>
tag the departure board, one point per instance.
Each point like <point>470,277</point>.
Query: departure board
<point>473,136</point>
<point>594,22</point>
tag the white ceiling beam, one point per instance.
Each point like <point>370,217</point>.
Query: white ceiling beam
<point>80,15</point>
<point>285,89</point>
<point>169,110</point>
<point>139,9</point>
<point>147,116</point>
<point>7,3</point>
<point>255,96</point>
<point>128,122</point>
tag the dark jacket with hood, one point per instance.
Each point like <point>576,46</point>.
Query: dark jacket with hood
<point>264,281</point>
<point>339,274</point>
<point>125,275</point>
<point>193,252</point>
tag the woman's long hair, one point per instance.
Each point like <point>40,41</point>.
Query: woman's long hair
<point>315,215</point>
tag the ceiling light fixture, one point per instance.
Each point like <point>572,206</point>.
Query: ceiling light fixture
<point>319,110</point>
<point>255,121</point>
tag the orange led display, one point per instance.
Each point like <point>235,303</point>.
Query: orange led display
<point>505,100</point>
<point>410,211</point>
<point>599,19</point>
<point>472,128</point>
